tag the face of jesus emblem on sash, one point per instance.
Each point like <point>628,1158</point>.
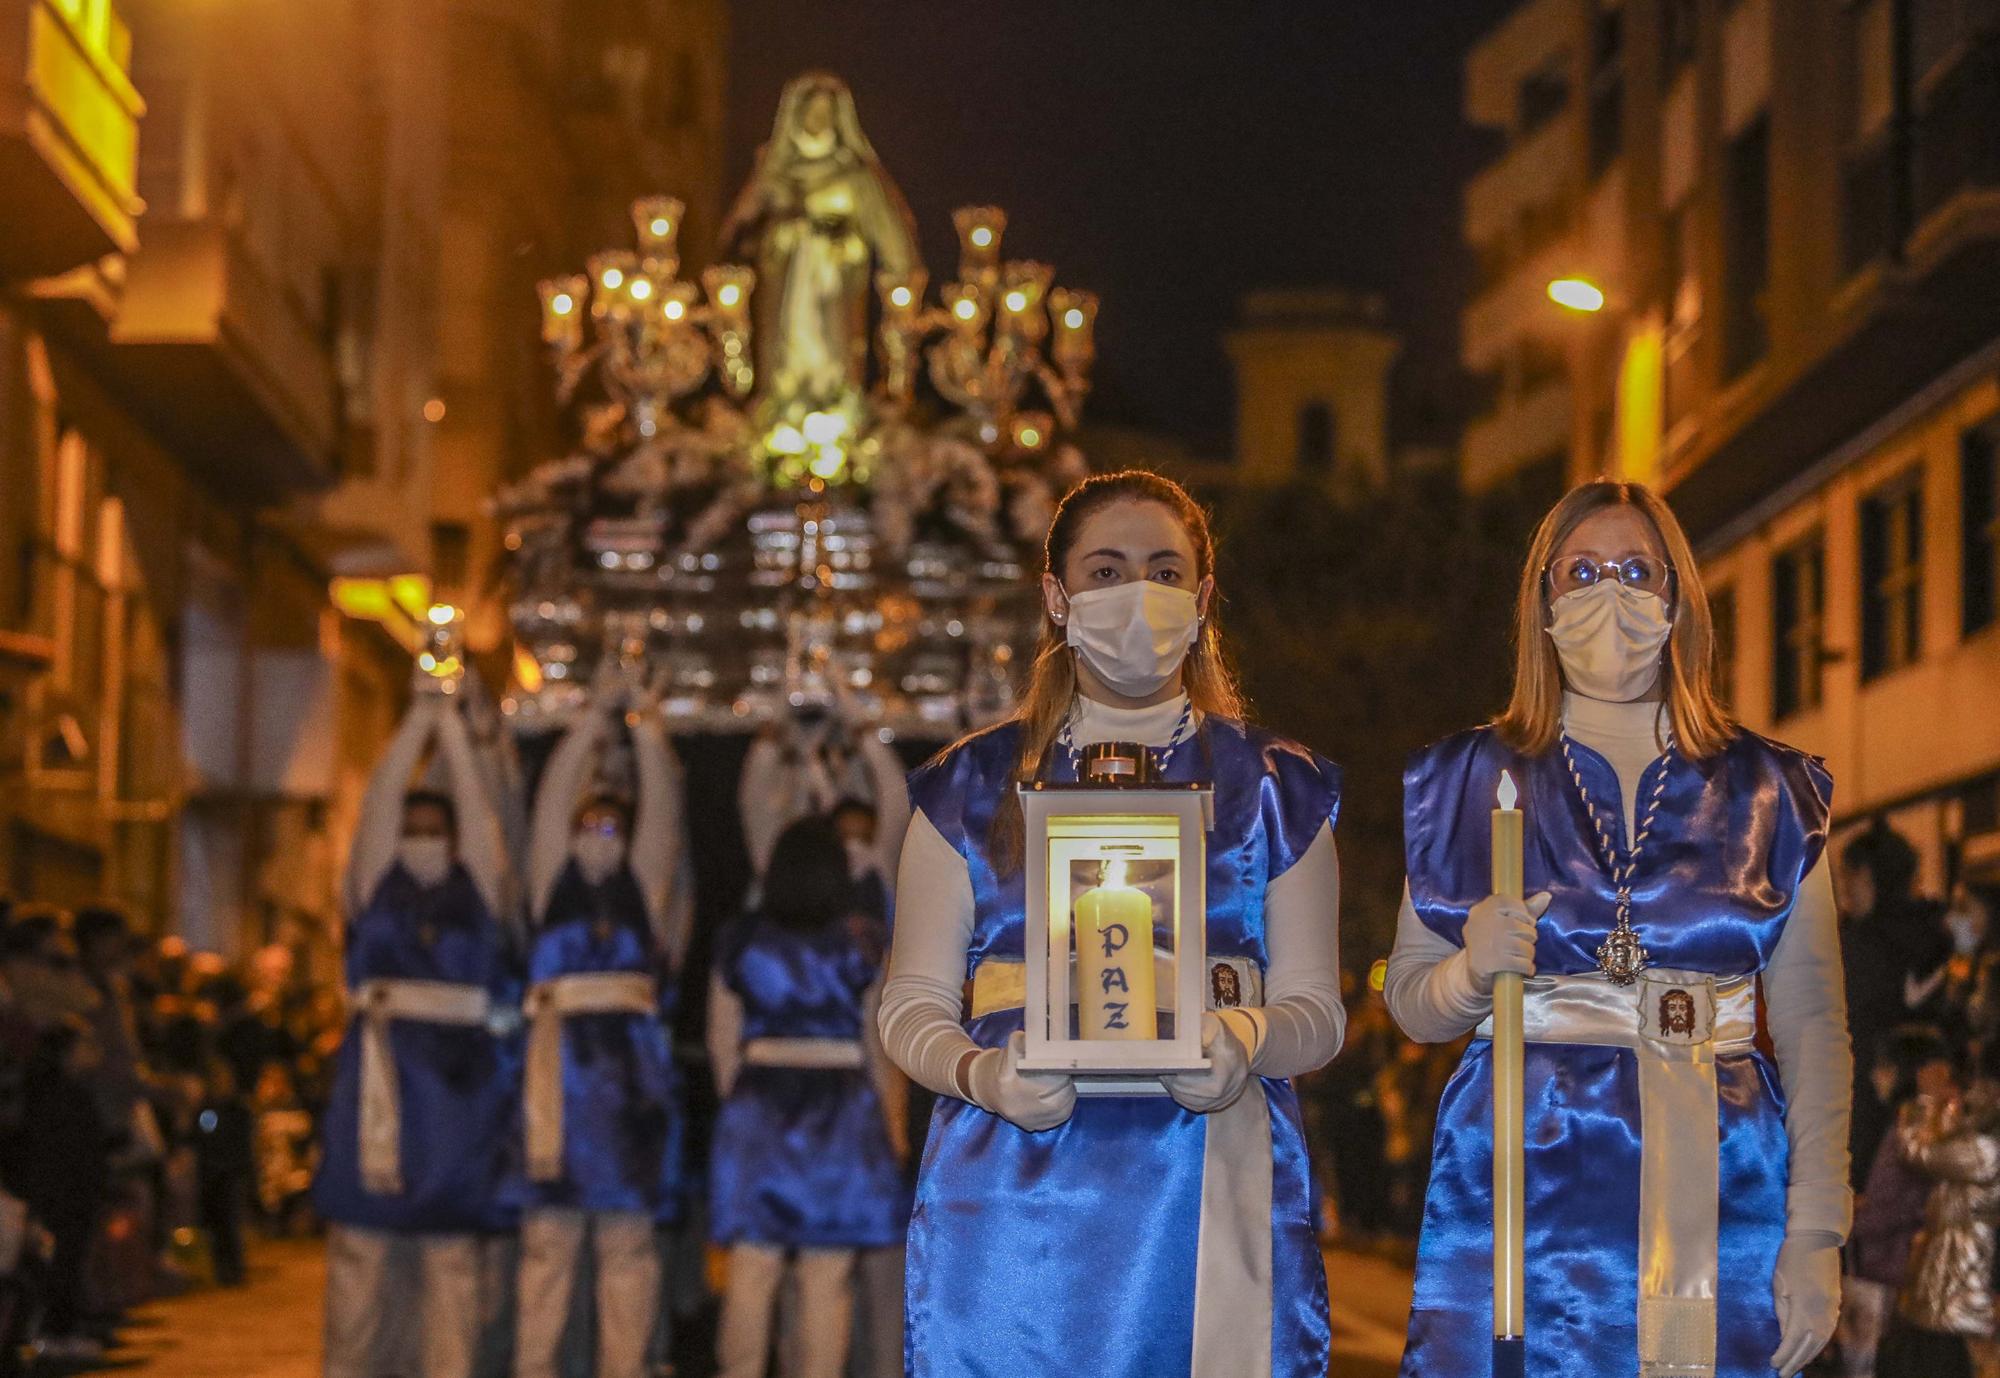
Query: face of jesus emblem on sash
<point>1676,1013</point>
<point>1674,1009</point>
<point>1225,986</point>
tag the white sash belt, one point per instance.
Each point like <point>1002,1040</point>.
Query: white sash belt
<point>1232,1283</point>
<point>378,1004</point>
<point>813,1053</point>
<point>548,1004</point>
<point>1677,1022</point>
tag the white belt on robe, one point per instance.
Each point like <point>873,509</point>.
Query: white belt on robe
<point>378,1004</point>
<point>548,1004</point>
<point>1676,1022</point>
<point>816,1054</point>
<point>1232,1283</point>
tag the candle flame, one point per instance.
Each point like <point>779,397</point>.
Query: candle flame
<point>1508,794</point>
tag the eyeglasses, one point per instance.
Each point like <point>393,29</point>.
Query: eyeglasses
<point>1641,573</point>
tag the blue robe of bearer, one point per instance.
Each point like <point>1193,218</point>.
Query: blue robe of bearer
<point>801,1157</point>
<point>1073,1251</point>
<point>456,1084</point>
<point>1734,837</point>
<point>621,1118</point>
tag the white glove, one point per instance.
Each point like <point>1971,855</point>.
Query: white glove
<point>1805,1287</point>
<point>1500,937</point>
<point>1035,1101</point>
<point>1228,1071</point>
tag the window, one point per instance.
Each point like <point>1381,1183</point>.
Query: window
<point>1678,34</point>
<point>1316,437</point>
<point>1798,596</point>
<point>1746,333</point>
<point>1607,89</point>
<point>1892,582</point>
<point>1722,613</point>
<point>1542,95</point>
<point>1979,490</point>
<point>1684,306</point>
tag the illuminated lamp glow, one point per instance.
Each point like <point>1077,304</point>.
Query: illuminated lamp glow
<point>1576,294</point>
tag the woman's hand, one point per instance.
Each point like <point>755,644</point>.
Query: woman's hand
<point>1500,938</point>
<point>993,1080</point>
<point>1228,1072</point>
<point>1806,1290</point>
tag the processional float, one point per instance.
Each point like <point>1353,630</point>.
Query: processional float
<point>797,477</point>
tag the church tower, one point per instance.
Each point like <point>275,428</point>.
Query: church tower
<point>1312,388</point>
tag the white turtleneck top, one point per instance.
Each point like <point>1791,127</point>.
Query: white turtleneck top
<point>1430,990</point>
<point>1298,1028</point>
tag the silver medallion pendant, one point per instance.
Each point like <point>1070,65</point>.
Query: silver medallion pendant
<point>1619,956</point>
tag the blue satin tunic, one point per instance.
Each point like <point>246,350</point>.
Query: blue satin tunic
<point>1073,1250</point>
<point>622,1121</point>
<point>456,1085</point>
<point>1733,839</point>
<point>801,1155</point>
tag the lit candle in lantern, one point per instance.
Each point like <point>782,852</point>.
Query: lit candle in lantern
<point>1114,960</point>
<point>1509,1176</point>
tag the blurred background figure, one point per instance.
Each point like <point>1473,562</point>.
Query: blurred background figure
<point>808,1162</point>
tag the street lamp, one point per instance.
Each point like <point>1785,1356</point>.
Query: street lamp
<point>1577,294</point>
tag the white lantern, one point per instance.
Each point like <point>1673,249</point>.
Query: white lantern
<point>1116,869</point>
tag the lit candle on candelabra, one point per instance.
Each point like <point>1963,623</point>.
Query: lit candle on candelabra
<point>902,296</point>
<point>1025,286</point>
<point>1509,1175</point>
<point>966,305</point>
<point>1115,997</point>
<point>658,222</point>
<point>562,311</point>
<point>611,276</point>
<point>979,231</point>
<point>1074,315</point>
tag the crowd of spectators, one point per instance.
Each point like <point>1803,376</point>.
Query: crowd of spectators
<point>154,1104</point>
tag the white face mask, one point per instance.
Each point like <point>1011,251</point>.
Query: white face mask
<point>1966,930</point>
<point>427,859</point>
<point>861,858</point>
<point>1609,638</point>
<point>598,854</point>
<point>1134,635</point>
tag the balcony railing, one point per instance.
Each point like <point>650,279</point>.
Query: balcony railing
<point>69,135</point>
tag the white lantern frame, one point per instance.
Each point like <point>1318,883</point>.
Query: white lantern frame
<point>1068,822</point>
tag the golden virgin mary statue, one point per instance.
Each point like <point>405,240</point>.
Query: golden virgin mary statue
<point>818,220</point>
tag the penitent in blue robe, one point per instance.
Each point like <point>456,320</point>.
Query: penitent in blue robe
<point>622,1119</point>
<point>1073,1250</point>
<point>1733,839</point>
<point>456,1084</point>
<point>801,1155</point>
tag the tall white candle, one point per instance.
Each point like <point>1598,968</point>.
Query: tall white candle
<point>1509,1174</point>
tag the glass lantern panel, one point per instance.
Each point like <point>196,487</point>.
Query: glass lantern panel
<point>1114,891</point>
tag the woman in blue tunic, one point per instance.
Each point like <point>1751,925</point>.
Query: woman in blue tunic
<point>1686,1195</point>
<point>415,1131</point>
<point>600,1116</point>
<point>1122,1237</point>
<point>809,1147</point>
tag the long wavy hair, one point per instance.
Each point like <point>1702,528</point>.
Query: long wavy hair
<point>1533,717</point>
<point>1051,692</point>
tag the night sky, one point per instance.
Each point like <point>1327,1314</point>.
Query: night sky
<point>1168,154</point>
